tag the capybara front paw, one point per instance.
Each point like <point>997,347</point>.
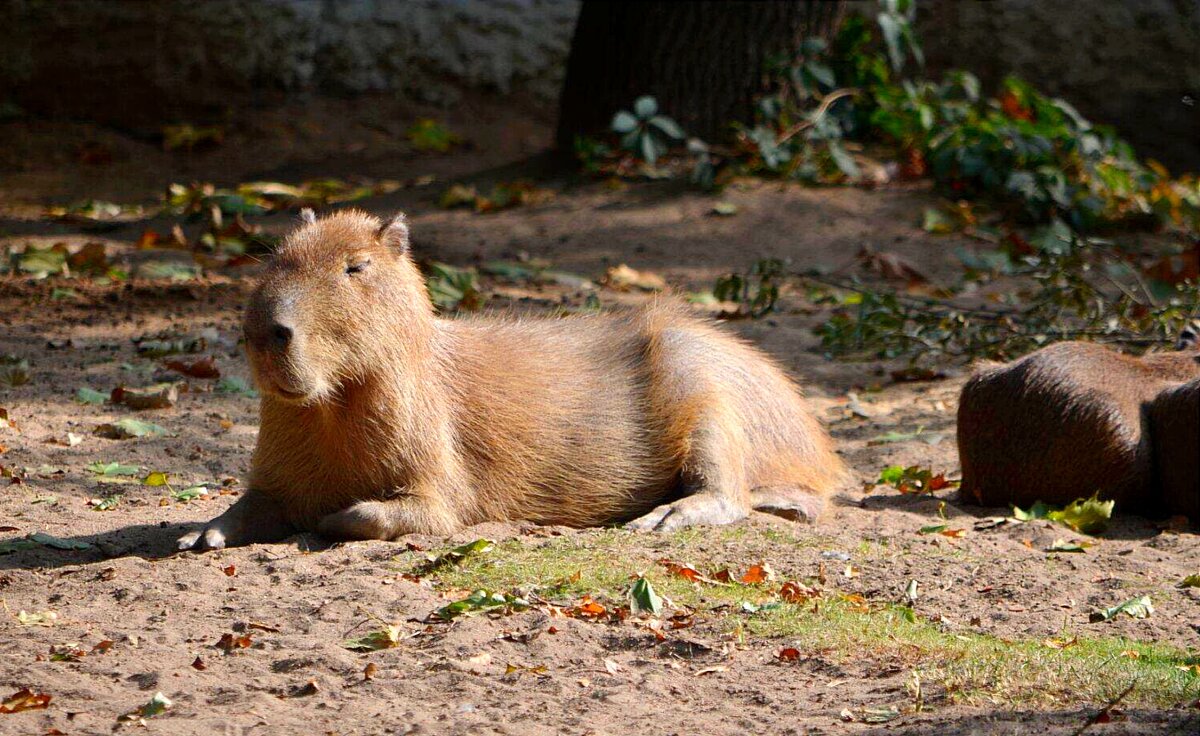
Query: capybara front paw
<point>214,535</point>
<point>363,520</point>
<point>697,510</point>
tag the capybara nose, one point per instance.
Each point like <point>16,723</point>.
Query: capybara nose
<point>280,336</point>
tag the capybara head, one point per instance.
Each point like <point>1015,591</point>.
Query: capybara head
<point>338,300</point>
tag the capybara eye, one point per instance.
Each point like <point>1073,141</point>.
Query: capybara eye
<point>359,267</point>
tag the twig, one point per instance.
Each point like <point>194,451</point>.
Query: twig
<point>823,108</point>
<point>1103,712</point>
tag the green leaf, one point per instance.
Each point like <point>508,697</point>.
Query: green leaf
<point>105,503</point>
<point>383,639</point>
<point>932,529</point>
<point>481,601</point>
<point>1087,516</point>
<point>891,475</point>
<point>157,705</point>
<point>1139,607</point>
<point>456,555</point>
<point>113,468</point>
<point>47,540</point>
<point>623,123</point>
<point>1062,545</point>
<point>643,599</point>
<point>156,478</point>
<point>189,494</point>
<point>844,161</point>
<point>236,385</point>
<point>124,429</point>
<point>668,127</point>
<point>934,221</point>
<point>8,546</point>
<point>87,395</point>
<point>430,135</point>
<point>1191,581</point>
<point>645,107</point>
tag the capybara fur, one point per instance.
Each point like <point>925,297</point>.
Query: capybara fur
<point>1063,423</point>
<point>1175,437</point>
<point>379,418</point>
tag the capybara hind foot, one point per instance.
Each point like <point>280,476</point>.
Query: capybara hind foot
<point>696,510</point>
<point>363,520</point>
<point>253,518</point>
<point>788,502</point>
<point>387,519</point>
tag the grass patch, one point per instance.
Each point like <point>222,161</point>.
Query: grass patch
<point>970,667</point>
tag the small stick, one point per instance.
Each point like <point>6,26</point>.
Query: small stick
<point>1105,710</point>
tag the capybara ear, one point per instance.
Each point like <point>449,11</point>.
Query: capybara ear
<point>307,216</point>
<point>394,232</point>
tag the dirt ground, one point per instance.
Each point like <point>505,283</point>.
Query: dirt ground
<point>164,613</point>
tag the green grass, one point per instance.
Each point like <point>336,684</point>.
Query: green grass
<point>969,667</point>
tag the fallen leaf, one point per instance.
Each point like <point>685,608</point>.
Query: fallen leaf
<point>369,671</point>
<point>47,540</point>
<point>624,278</point>
<point>230,571</point>
<point>1191,581</point>
<point>1139,607</point>
<point>124,429</point>
<point>711,670</point>
<point>228,642</point>
<point>1087,516</point>
<point>724,209</point>
<point>87,395</point>
<point>24,699</point>
<point>385,638</point>
<point>760,573</point>
<point>160,396</point>
<point>1062,545</point>
<point>196,368</point>
<point>789,654</point>
<point>643,599</point>
<point>793,592</point>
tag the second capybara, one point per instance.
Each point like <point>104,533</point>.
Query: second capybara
<point>1174,421</point>
<point>1063,423</point>
<point>379,418</point>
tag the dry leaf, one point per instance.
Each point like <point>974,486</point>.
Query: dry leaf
<point>24,699</point>
<point>760,573</point>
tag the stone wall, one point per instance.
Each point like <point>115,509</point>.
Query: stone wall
<point>1130,63</point>
<point>134,63</point>
<point>127,60</point>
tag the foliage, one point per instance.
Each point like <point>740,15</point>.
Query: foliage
<point>453,288</point>
<point>644,132</point>
<point>428,134</point>
<point>1077,288</point>
<point>1088,516</point>
<point>755,292</point>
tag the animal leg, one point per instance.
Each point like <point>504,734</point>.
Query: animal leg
<point>389,519</point>
<point>255,517</point>
<point>716,469</point>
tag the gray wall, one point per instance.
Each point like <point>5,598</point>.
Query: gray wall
<point>143,62</point>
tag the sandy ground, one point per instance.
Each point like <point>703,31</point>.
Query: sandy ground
<point>164,612</point>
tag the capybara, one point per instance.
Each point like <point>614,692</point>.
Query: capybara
<point>1065,422</point>
<point>1175,437</point>
<point>379,418</point>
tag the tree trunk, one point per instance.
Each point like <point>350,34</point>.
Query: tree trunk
<point>704,62</point>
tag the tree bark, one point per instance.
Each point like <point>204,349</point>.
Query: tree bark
<point>705,62</point>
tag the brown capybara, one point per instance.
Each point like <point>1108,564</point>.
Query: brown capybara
<point>379,418</point>
<point>1063,423</point>
<point>1175,436</point>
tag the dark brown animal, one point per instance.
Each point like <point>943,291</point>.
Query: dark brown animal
<point>1064,423</point>
<point>1175,435</point>
<point>379,418</point>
